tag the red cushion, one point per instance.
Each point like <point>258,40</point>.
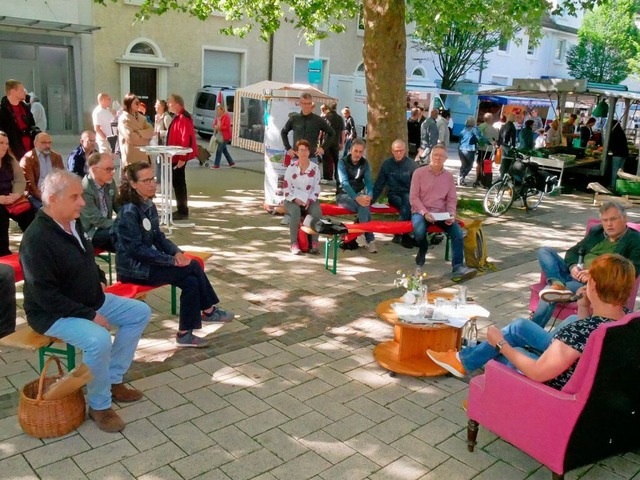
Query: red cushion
<point>128,290</point>
<point>14,262</point>
<point>331,209</point>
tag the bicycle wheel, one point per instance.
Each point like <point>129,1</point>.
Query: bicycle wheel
<point>532,198</point>
<point>498,198</point>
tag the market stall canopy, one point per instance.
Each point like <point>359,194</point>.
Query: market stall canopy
<point>528,102</point>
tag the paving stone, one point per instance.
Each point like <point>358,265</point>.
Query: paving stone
<point>15,467</point>
<point>327,446</point>
<point>54,452</point>
<point>271,387</point>
<point>251,465</point>
<point>330,376</point>
<point>371,379</point>
<point>188,438</point>
<point>174,416</point>
<point>235,441</point>
<point>620,466</point>
<point>217,474</point>
<point>246,402</point>
<point>404,467</point>
<point>165,397</point>
<point>240,357</point>
<point>288,405</point>
<point>192,383</point>
<point>187,371</point>
<point>232,384</point>
<point>426,396</point>
<point>206,400</point>
<point>309,390</point>
<point>138,410</point>
<point>143,434</point>
<point>306,424</point>
<point>210,365</point>
<point>347,364</point>
<point>300,350</point>
<point>355,467</point>
<point>374,449</point>
<point>261,422</point>
<point>478,459</point>
<point>9,427</point>
<point>105,455</point>
<point>349,391</point>
<point>63,469</point>
<point>162,473</point>
<point>256,372</point>
<point>278,359</point>
<point>349,427</point>
<point>313,361</point>
<point>511,455</point>
<point>502,470</point>
<point>115,471</point>
<point>19,444</point>
<point>302,467</point>
<point>370,409</point>
<point>219,419</point>
<point>411,411</point>
<point>420,451</point>
<point>205,461</point>
<point>153,458</point>
<point>436,431</point>
<point>281,444</point>
<point>293,374</point>
<point>155,381</point>
<point>453,413</point>
<point>452,469</point>
<point>598,472</point>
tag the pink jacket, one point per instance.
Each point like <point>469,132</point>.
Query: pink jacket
<point>182,134</point>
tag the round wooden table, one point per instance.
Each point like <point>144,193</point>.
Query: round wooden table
<point>407,352</point>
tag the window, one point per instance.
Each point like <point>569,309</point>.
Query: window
<point>360,22</point>
<point>531,48</point>
<point>561,46</point>
<point>142,49</point>
<point>499,80</point>
<point>419,72</point>
<point>360,68</point>
<point>503,44</point>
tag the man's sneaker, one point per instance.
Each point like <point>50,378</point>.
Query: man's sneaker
<point>295,249</point>
<point>122,393</point>
<point>218,315</point>
<point>232,165</point>
<point>421,256</point>
<point>190,340</point>
<point>449,361</point>
<point>285,220</point>
<point>463,273</point>
<point>214,167</point>
<point>397,238</point>
<point>371,246</point>
<point>556,293</point>
<point>107,420</point>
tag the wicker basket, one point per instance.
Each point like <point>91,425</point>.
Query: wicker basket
<point>49,418</point>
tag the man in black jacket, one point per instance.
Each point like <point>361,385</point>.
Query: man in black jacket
<point>64,298</point>
<point>7,300</point>
<point>16,119</point>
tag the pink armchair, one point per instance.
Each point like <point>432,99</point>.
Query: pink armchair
<point>596,415</point>
<point>564,310</point>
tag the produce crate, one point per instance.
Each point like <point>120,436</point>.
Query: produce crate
<point>627,187</point>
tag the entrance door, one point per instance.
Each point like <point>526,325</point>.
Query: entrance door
<point>143,83</point>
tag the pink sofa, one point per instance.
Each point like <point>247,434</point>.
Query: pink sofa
<point>596,415</point>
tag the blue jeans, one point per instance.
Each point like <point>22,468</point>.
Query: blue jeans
<point>401,202</point>
<point>554,268</point>
<point>364,214</point>
<point>454,231</point>
<point>222,150</point>
<point>107,361</point>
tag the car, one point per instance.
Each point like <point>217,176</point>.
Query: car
<point>204,107</point>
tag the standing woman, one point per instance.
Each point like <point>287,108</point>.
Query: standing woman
<point>301,190</point>
<point>182,134</point>
<point>350,130</point>
<point>146,257</point>
<point>507,139</point>
<point>133,132</point>
<point>12,186</point>
<point>162,121</point>
<point>222,124</point>
<point>470,136</point>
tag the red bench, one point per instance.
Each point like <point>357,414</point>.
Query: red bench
<point>14,262</point>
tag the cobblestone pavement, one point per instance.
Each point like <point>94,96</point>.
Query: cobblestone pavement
<point>290,389</point>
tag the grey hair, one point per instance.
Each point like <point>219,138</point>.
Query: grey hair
<point>359,141</point>
<point>57,182</point>
<point>471,122</point>
<point>618,206</point>
<point>399,142</point>
<point>488,117</point>
<point>306,95</point>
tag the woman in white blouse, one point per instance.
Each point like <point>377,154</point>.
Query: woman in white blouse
<point>301,191</point>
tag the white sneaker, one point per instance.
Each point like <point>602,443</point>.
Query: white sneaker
<point>555,293</point>
<point>371,246</point>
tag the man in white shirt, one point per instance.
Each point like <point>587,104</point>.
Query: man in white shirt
<point>37,110</point>
<point>102,117</point>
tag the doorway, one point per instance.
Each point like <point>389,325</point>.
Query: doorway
<point>142,82</point>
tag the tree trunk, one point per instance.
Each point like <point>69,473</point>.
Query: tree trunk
<point>384,52</point>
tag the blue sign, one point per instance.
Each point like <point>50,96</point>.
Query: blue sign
<point>315,72</point>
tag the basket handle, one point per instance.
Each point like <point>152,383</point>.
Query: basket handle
<point>43,375</point>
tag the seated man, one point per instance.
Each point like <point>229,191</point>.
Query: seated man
<point>566,276</point>
<point>100,193</point>
<point>395,174</point>
<point>36,164</point>
<point>551,357</point>
<point>7,300</point>
<point>354,188</point>
<point>64,298</point>
<point>433,192</point>
<point>77,161</point>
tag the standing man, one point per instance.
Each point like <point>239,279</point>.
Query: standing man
<point>100,194</point>
<point>37,164</point>
<point>443,128</point>
<point>77,161</point>
<point>413,131</point>
<point>433,195</point>
<point>428,136</point>
<point>334,144</point>
<point>7,300</point>
<point>16,119</point>
<point>306,125</point>
<point>395,174</point>
<point>485,149</point>
<point>354,189</point>
<point>37,110</point>
<point>64,298</point>
<point>102,117</point>
<point>569,128</point>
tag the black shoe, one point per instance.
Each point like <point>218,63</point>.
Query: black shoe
<point>407,241</point>
<point>437,238</point>
<point>396,238</point>
<point>421,256</point>
<point>180,215</point>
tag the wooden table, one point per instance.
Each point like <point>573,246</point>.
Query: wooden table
<point>407,352</point>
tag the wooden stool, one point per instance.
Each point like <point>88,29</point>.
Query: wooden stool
<point>28,338</point>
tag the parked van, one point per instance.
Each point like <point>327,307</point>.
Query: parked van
<point>204,107</point>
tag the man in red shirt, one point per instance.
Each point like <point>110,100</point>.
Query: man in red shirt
<point>16,119</point>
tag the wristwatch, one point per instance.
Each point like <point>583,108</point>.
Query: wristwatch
<point>500,344</point>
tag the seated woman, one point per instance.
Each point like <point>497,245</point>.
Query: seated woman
<point>551,357</point>
<point>12,187</point>
<point>144,256</point>
<point>301,191</point>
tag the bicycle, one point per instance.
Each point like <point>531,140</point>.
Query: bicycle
<point>523,181</point>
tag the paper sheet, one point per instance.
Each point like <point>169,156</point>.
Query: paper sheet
<point>441,217</point>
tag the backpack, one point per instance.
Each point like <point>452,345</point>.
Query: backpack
<point>475,247</point>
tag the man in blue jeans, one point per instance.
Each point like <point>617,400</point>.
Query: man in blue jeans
<point>395,175</point>
<point>551,357</point>
<point>355,187</point>
<point>64,297</point>
<point>566,276</point>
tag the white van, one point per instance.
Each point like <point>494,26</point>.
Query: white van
<point>204,107</point>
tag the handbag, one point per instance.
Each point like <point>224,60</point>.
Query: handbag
<point>18,207</point>
<point>219,137</point>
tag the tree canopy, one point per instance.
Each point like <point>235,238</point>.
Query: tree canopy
<point>608,44</point>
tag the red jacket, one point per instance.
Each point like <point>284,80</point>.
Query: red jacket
<point>224,126</point>
<point>182,134</point>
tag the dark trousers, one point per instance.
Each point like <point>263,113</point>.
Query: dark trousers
<point>7,300</point>
<point>102,239</point>
<point>196,294</point>
<point>24,220</point>
<point>180,189</point>
<point>329,162</point>
<point>401,202</point>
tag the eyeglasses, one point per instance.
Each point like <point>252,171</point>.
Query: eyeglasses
<point>108,169</point>
<point>610,219</point>
<point>147,181</point>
